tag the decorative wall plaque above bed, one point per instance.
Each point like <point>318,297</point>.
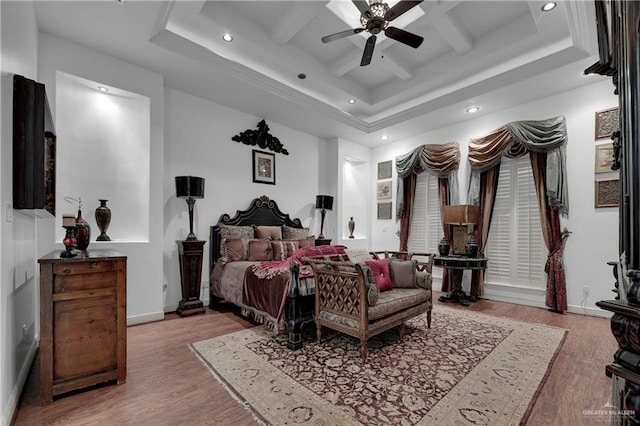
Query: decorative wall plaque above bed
<point>262,138</point>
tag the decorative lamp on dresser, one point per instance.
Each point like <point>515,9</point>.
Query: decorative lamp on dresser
<point>83,320</point>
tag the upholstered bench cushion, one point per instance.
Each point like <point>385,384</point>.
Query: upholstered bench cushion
<point>397,300</point>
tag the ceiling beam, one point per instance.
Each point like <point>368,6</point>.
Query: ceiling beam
<point>394,65</point>
<point>448,26</point>
<point>298,15</point>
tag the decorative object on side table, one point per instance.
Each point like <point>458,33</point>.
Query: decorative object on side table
<point>103,219</point>
<point>190,250</point>
<point>83,232</point>
<point>352,227</point>
<point>69,241</point>
<point>443,247</point>
<point>324,203</point>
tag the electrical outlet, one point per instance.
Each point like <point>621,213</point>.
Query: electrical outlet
<point>164,287</point>
<point>585,291</point>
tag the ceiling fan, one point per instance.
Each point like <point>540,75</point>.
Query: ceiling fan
<point>375,18</point>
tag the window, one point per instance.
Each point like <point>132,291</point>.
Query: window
<point>515,248</point>
<point>425,231</point>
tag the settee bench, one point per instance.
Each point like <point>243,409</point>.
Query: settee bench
<point>348,300</point>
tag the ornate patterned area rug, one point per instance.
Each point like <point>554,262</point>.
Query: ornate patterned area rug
<point>468,368</point>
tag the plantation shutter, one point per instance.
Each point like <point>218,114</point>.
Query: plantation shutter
<point>418,227</point>
<point>515,247</point>
<point>434,220</point>
<point>426,228</point>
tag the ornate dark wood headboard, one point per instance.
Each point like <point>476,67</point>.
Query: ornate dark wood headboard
<point>261,211</point>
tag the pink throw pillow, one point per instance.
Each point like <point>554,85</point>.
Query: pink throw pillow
<point>380,270</point>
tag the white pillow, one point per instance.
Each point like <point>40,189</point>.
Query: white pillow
<point>358,255</point>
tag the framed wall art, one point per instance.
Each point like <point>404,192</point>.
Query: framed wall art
<point>384,190</point>
<point>606,122</point>
<point>607,193</point>
<point>604,158</point>
<point>384,211</point>
<point>264,167</point>
<point>385,169</point>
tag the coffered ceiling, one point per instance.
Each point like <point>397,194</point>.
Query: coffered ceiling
<point>494,54</point>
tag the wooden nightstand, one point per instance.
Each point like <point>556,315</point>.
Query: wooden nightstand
<point>190,257</point>
<point>83,321</point>
<point>323,241</point>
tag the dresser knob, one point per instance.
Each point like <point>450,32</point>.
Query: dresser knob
<point>93,265</point>
<point>66,271</point>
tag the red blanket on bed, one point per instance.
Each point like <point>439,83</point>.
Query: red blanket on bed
<point>266,284</point>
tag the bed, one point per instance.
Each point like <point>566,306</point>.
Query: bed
<point>244,274</point>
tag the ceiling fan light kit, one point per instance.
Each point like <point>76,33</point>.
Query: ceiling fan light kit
<point>375,18</point>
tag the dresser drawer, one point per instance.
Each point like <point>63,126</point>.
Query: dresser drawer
<point>88,267</point>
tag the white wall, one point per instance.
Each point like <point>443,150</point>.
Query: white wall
<point>198,143</point>
<point>144,263</point>
<point>594,241</point>
<point>18,291</point>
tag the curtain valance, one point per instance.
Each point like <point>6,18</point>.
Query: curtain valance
<point>438,159</point>
<point>516,139</point>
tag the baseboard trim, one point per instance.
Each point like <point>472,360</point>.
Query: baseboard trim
<point>12,402</point>
<point>574,309</point>
<point>142,319</point>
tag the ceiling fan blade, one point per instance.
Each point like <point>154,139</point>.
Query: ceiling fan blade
<point>363,6</point>
<point>341,34</point>
<point>368,51</point>
<point>403,36</point>
<point>399,8</point>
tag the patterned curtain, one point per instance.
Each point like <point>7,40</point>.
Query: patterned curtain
<point>547,138</point>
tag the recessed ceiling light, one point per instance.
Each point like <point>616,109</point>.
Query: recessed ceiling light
<point>352,101</point>
<point>103,89</point>
<point>384,137</point>
<point>548,6</point>
<point>227,37</point>
<point>473,109</point>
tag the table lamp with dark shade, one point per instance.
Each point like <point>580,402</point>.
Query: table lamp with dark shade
<point>323,202</point>
<point>463,218</point>
<point>190,188</point>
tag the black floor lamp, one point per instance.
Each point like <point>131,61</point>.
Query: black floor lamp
<point>190,250</point>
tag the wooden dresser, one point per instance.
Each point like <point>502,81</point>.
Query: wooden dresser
<point>83,319</point>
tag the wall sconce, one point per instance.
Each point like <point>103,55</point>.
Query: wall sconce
<point>324,202</point>
<point>190,188</point>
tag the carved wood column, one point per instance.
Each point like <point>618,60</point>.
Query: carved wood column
<point>190,257</point>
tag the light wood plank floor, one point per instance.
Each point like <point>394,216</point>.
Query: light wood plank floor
<point>167,385</point>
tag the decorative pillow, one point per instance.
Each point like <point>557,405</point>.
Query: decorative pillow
<point>373,292</point>
<point>403,273</point>
<point>358,255</point>
<point>233,232</point>
<point>268,232</point>
<point>260,250</point>
<point>307,242</point>
<point>289,233</point>
<point>234,249</point>
<point>380,269</point>
<point>230,232</point>
<point>283,249</point>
